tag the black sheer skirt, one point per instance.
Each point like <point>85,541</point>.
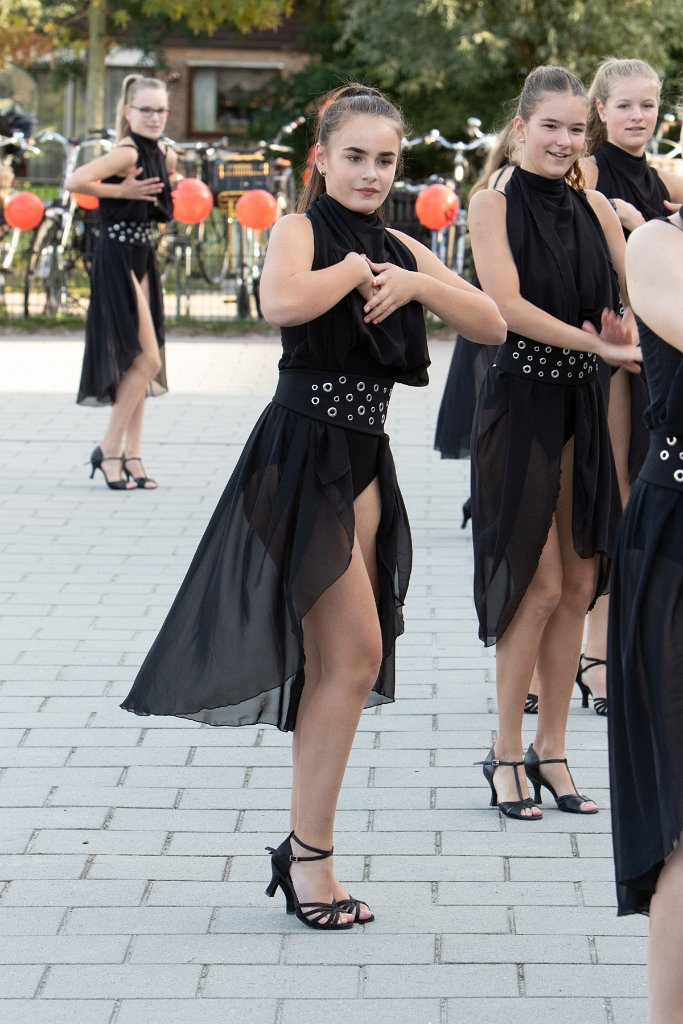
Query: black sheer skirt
<point>520,429</point>
<point>466,374</point>
<point>645,691</point>
<point>111,331</point>
<point>231,649</point>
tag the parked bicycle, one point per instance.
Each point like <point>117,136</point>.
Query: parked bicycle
<point>67,236</point>
<point>14,149</point>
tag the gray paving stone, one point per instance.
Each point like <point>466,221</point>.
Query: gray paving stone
<point>554,920</point>
<point>440,980</point>
<point>118,920</point>
<point>623,949</point>
<point>514,949</point>
<point>629,1011</point>
<point>155,981</point>
<point>521,1011</point>
<point>14,841</point>
<point>361,947</point>
<point>200,1011</point>
<point>36,866</point>
<point>64,949</point>
<point>53,1011</point>
<point>596,980</point>
<point>364,1011</point>
<point>242,981</point>
<point>19,981</point>
<point>195,868</point>
<point>206,949</point>
<point>81,893</point>
<point>30,920</point>
<point>96,841</point>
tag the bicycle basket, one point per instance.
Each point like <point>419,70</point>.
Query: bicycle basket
<point>238,173</point>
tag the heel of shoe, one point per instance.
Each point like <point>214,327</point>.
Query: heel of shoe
<point>585,691</point>
<point>466,513</point>
<point>538,791</point>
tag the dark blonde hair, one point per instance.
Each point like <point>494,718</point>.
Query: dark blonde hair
<point>609,72</point>
<point>503,153</point>
<point>335,107</point>
<point>130,87</point>
<point>550,78</point>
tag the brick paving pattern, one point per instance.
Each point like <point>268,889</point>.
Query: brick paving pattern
<point>132,863</point>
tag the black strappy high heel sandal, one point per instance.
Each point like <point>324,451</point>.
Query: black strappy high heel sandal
<point>96,460</point>
<point>570,802</point>
<point>323,916</point>
<point>531,704</point>
<point>141,481</point>
<point>510,808</point>
<point>599,703</point>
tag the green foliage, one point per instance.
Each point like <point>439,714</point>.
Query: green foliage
<point>464,57</point>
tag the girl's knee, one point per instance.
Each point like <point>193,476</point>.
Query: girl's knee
<point>544,597</point>
<point>578,593</point>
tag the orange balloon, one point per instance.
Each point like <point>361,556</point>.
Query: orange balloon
<point>192,201</point>
<point>86,202</point>
<point>436,206</point>
<point>24,210</point>
<point>256,209</point>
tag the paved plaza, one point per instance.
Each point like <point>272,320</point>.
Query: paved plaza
<point>132,861</point>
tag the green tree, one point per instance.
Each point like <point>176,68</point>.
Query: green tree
<point>29,28</point>
<point>447,59</point>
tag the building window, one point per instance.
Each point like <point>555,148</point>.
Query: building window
<point>224,98</point>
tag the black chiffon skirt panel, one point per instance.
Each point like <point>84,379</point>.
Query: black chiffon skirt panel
<point>645,691</point>
<point>466,374</point>
<point>231,649</point>
<point>112,328</point>
<point>520,429</point>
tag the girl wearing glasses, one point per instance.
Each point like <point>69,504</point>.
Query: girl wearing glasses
<point>124,337</point>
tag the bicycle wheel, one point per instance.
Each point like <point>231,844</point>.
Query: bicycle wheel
<point>213,254</point>
<point>45,280</point>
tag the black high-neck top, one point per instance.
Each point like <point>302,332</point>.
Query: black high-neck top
<point>559,249</point>
<point>339,339</point>
<point>153,163</point>
<point>624,176</point>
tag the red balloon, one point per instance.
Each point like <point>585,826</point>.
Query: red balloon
<point>436,206</point>
<point>25,210</point>
<point>86,202</point>
<point>256,209</point>
<point>192,201</point>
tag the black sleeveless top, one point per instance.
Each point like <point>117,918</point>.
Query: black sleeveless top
<point>153,163</point>
<point>624,176</point>
<point>339,339</point>
<point>559,249</point>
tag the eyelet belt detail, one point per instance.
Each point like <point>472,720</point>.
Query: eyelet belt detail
<point>341,399</point>
<point>130,232</point>
<point>663,464</point>
<point>545,363</point>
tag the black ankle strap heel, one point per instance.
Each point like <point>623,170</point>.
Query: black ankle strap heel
<point>510,808</point>
<point>323,916</point>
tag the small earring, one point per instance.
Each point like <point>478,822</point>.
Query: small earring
<point>522,140</point>
<point>323,173</point>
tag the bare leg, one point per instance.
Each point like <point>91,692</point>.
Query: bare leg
<point>560,645</point>
<point>133,387</point>
<point>516,654</point>
<point>343,647</point>
<point>133,435</point>
<point>665,947</point>
<point>619,420</point>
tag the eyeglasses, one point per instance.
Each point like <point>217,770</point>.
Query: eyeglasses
<point>151,111</point>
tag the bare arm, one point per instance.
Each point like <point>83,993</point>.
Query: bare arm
<point>444,293</point>
<point>497,272</point>
<point>120,162</point>
<point>654,257</point>
<point>291,293</point>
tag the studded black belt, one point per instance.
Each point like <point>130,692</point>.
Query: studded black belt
<point>130,232</point>
<point>545,363</point>
<point>341,399</point>
<point>663,464</point>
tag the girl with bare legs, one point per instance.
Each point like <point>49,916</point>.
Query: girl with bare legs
<point>645,638</point>
<point>123,361</point>
<point>543,483</point>
<point>623,101</point>
<point>291,608</point>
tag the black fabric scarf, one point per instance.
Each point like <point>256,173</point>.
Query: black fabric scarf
<point>624,176</point>
<point>559,249</point>
<point>400,341</point>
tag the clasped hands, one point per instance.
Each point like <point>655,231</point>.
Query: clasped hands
<point>386,289</point>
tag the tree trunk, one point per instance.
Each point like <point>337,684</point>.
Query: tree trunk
<point>94,89</point>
